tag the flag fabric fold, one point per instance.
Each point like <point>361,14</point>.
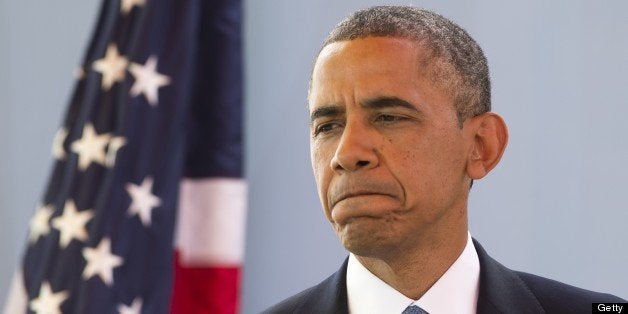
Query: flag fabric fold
<point>150,148</point>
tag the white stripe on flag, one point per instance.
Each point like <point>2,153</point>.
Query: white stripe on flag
<point>16,299</point>
<point>211,222</point>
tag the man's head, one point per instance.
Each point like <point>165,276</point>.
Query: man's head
<point>399,128</point>
<point>456,62</point>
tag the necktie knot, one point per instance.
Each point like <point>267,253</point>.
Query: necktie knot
<point>413,309</point>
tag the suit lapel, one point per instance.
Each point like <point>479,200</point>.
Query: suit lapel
<point>501,290</point>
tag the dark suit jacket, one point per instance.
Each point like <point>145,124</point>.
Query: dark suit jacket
<point>501,291</point>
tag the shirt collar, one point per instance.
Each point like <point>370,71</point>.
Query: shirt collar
<point>456,291</point>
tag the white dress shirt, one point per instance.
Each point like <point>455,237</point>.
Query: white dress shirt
<point>456,291</point>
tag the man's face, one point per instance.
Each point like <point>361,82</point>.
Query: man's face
<point>388,154</point>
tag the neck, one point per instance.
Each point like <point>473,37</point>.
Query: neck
<point>413,272</point>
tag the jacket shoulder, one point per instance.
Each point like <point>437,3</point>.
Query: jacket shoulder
<point>503,290</point>
<point>557,297</point>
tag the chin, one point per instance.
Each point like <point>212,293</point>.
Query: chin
<point>365,238</point>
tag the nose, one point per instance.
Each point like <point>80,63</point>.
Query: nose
<point>356,149</point>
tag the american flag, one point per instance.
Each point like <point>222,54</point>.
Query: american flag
<point>145,208</point>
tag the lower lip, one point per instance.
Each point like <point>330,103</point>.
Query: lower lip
<point>369,205</point>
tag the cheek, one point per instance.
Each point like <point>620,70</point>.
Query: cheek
<point>318,160</point>
<point>320,167</point>
<point>321,155</point>
<point>430,164</point>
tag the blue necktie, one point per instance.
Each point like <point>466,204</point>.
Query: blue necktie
<point>413,309</point>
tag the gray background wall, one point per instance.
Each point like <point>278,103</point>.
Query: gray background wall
<point>556,206</point>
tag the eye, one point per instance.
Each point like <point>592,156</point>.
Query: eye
<point>386,118</point>
<point>327,127</point>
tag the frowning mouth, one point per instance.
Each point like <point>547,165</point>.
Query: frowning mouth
<point>345,206</point>
<point>338,198</point>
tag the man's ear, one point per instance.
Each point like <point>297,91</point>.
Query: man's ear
<point>488,136</point>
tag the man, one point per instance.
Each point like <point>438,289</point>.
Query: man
<point>400,127</point>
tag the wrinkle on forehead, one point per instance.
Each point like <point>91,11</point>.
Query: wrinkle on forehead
<point>350,62</point>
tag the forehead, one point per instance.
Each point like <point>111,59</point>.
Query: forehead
<point>377,55</point>
<point>368,68</point>
<point>370,46</point>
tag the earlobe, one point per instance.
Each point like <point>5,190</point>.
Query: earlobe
<point>488,143</point>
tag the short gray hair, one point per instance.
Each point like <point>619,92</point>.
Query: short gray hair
<point>455,61</point>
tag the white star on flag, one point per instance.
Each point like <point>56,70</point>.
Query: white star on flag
<point>148,80</point>
<point>39,224</point>
<point>142,200</point>
<point>135,308</point>
<point>115,144</point>
<point>127,5</point>
<point>111,66</point>
<point>48,302</point>
<point>57,144</point>
<point>101,262</point>
<point>91,147</point>
<point>71,224</point>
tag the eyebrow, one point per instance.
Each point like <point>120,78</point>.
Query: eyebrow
<point>375,103</point>
<point>326,111</point>
<point>389,102</point>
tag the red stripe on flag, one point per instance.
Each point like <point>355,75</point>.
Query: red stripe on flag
<point>202,290</point>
